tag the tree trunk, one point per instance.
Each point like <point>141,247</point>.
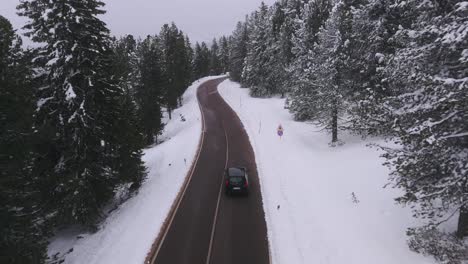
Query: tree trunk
<point>169,111</point>
<point>334,122</point>
<point>462,230</point>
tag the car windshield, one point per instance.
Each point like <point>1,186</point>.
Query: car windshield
<point>236,172</point>
<point>236,179</point>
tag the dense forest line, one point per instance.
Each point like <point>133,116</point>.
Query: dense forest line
<point>389,68</point>
<point>76,113</point>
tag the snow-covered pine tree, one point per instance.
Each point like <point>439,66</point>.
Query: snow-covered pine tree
<point>127,161</point>
<point>224,54</point>
<point>322,92</point>
<point>74,118</point>
<point>149,90</point>
<point>125,60</point>
<point>284,33</point>
<point>201,61</point>
<point>129,165</point>
<point>311,17</point>
<point>197,62</point>
<point>189,61</point>
<point>429,112</point>
<point>255,72</point>
<point>175,58</point>
<point>168,37</point>
<point>183,62</point>
<point>215,61</point>
<point>238,50</point>
<point>279,50</point>
<point>22,238</point>
<point>374,28</point>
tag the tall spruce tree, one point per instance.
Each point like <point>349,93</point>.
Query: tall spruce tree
<point>215,60</point>
<point>311,18</point>
<point>373,43</point>
<point>281,46</point>
<point>238,51</point>
<point>189,61</point>
<point>323,93</point>
<point>429,112</point>
<point>256,64</point>
<point>77,102</point>
<point>201,61</point>
<point>176,60</point>
<point>224,54</point>
<point>23,235</point>
<point>150,87</point>
<point>129,165</point>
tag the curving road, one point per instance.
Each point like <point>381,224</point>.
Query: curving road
<point>207,227</point>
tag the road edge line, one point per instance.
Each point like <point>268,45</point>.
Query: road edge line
<point>159,241</point>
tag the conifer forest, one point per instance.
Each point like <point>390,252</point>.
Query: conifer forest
<point>79,108</point>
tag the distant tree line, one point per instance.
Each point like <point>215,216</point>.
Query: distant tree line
<point>391,68</point>
<point>77,112</point>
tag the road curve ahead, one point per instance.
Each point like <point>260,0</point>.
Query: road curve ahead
<point>208,227</point>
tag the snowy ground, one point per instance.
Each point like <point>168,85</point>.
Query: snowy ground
<point>128,233</point>
<point>319,219</point>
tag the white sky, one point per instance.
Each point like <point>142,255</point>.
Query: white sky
<point>200,19</point>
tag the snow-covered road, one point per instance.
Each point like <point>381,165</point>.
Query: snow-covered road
<point>323,205</point>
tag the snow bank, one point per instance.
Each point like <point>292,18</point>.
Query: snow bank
<point>332,205</point>
<point>128,233</point>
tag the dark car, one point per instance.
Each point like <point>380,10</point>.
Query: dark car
<point>237,181</point>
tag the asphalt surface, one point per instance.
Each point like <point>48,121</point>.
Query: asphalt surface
<point>209,227</point>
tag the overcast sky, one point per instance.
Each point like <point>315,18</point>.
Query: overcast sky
<point>200,19</point>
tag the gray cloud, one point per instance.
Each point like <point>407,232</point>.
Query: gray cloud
<point>200,19</point>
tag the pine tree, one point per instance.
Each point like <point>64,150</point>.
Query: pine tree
<point>238,51</point>
<point>201,61</point>
<point>189,62</point>
<point>429,111</point>
<point>176,69</point>
<point>311,18</point>
<point>184,56</point>
<point>125,62</point>
<point>23,235</point>
<point>150,87</point>
<point>280,47</point>
<point>215,61</point>
<point>128,165</point>
<point>74,119</point>
<point>374,28</point>
<point>323,92</point>
<point>256,65</point>
<point>127,161</point>
<point>224,54</point>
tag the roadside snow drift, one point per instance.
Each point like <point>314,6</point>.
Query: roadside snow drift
<point>128,233</point>
<point>323,205</point>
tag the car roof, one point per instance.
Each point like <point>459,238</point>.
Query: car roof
<point>236,172</point>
